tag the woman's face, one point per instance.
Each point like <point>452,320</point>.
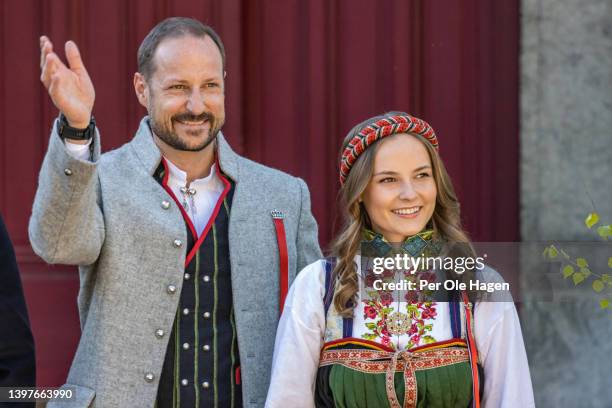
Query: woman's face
<point>401,195</point>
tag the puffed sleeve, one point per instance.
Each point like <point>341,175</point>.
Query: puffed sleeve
<point>507,383</point>
<point>299,339</point>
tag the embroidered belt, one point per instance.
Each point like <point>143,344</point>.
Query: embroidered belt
<point>408,362</point>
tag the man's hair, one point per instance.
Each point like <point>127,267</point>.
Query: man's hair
<point>173,27</point>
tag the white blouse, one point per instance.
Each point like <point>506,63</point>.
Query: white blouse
<point>301,331</point>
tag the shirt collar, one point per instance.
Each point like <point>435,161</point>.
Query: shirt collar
<point>178,177</point>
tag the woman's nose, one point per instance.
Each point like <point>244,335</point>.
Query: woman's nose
<point>407,191</point>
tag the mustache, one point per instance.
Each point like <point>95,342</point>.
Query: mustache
<point>189,117</point>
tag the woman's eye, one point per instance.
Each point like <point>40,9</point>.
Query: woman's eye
<point>387,180</point>
<point>423,175</point>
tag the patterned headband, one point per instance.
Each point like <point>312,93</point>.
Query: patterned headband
<point>382,128</point>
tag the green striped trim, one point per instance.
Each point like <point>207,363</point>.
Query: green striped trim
<point>232,372</point>
<point>195,330</point>
<point>176,392</point>
<point>216,391</point>
<point>227,209</point>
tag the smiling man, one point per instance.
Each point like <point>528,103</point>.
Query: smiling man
<point>185,249</point>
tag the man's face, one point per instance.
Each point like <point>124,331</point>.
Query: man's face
<point>185,96</point>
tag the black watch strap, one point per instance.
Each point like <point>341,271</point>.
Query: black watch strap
<point>68,132</point>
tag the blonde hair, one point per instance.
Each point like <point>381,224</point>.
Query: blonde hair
<point>445,220</point>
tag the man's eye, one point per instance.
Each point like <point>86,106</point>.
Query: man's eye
<point>212,85</point>
<point>178,86</point>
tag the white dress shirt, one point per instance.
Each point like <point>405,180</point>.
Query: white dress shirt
<point>199,206</point>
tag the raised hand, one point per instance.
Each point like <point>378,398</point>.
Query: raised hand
<point>70,88</point>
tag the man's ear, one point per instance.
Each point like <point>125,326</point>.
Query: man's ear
<point>142,89</point>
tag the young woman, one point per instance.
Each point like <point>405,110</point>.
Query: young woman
<point>340,343</point>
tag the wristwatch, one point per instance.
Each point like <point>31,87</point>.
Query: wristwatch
<point>68,132</point>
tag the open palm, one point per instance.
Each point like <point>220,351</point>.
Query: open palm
<point>69,87</point>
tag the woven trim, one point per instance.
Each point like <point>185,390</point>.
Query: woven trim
<point>379,362</point>
<point>380,129</point>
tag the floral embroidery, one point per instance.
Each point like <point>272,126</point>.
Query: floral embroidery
<point>379,305</point>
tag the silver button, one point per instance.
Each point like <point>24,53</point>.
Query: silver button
<point>68,172</point>
<point>185,346</point>
<point>206,278</point>
<point>185,311</point>
<point>206,347</point>
<point>149,377</point>
<point>171,289</point>
<point>187,276</point>
<point>206,315</point>
<point>177,243</point>
<point>205,384</point>
<point>159,333</point>
<point>165,204</point>
<point>184,382</point>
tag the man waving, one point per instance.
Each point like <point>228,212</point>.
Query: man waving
<point>185,249</point>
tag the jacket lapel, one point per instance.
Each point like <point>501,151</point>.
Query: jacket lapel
<point>228,159</point>
<point>145,148</point>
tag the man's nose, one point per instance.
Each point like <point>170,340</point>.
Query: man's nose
<point>407,192</point>
<point>196,103</point>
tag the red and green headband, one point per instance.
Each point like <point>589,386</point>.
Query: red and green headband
<point>382,128</point>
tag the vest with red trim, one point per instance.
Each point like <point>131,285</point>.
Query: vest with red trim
<point>202,364</point>
<point>324,396</point>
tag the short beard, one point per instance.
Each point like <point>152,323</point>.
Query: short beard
<point>168,136</point>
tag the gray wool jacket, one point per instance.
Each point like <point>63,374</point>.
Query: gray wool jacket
<point>107,217</point>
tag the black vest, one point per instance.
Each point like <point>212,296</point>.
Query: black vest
<point>202,365</point>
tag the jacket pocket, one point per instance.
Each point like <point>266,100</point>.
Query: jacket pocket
<point>77,396</point>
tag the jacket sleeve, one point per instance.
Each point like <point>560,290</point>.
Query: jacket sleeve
<point>67,224</point>
<point>17,361</point>
<point>307,243</point>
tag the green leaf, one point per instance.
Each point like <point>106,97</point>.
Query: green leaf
<point>591,219</point>
<point>604,231</point>
<point>578,277</point>
<point>610,262</point>
<point>581,262</point>
<point>598,286</point>
<point>428,339</point>
<point>586,272</point>
<point>568,271</point>
<point>552,252</point>
<point>605,277</point>
<point>547,249</point>
<point>604,303</point>
<point>371,326</point>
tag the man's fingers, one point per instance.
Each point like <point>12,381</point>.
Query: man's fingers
<point>73,56</point>
<point>45,48</point>
<point>51,66</point>
<point>48,69</point>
